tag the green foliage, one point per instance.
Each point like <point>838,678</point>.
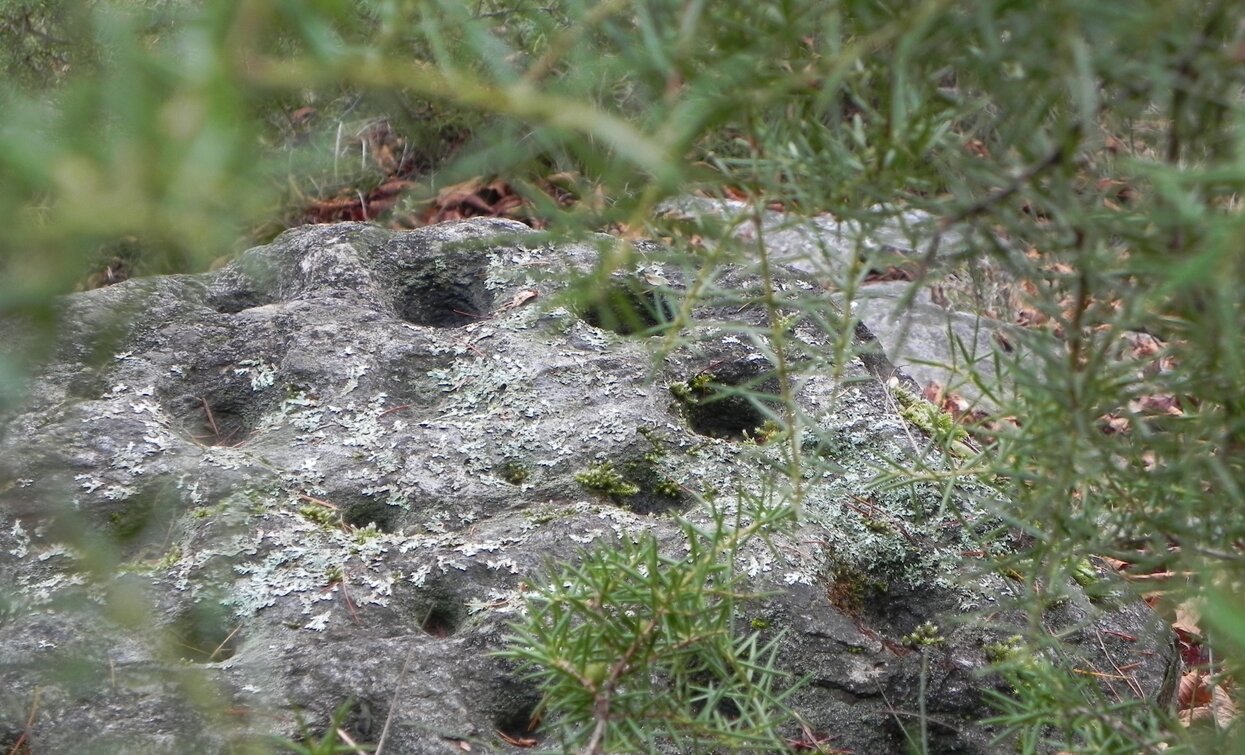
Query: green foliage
<point>1042,711</point>
<point>636,649</point>
<point>1087,154</point>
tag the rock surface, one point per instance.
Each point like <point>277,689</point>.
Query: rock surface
<point>326,471</point>
<point>923,335</point>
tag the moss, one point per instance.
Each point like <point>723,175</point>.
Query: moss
<point>759,624</point>
<point>768,431</point>
<point>925,635</point>
<point>929,419</point>
<point>514,472</point>
<point>1007,650</point>
<point>164,563</point>
<point>208,512</point>
<point>364,534</point>
<point>1083,573</point>
<point>1018,664</point>
<point>325,517</point>
<point>879,526</point>
<point>658,443</point>
<point>851,589</point>
<point>603,478</point>
<point>700,386</point>
<point>546,515</point>
<point>669,488</point>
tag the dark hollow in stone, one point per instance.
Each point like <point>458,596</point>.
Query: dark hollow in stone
<point>722,411</point>
<point>724,415</point>
<point>205,633</point>
<point>372,511</point>
<point>233,302</point>
<point>144,518</point>
<point>652,502</point>
<point>628,307</point>
<point>727,402</point>
<point>219,412</point>
<point>221,425</point>
<point>520,724</point>
<point>366,720</point>
<point>446,295</point>
<point>441,620</point>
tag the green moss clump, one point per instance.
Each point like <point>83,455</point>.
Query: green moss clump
<point>320,515</point>
<point>363,534</point>
<point>698,387</point>
<point>603,478</point>
<point>851,588</point>
<point>767,432</point>
<point>514,473</point>
<point>933,421</point>
<point>669,488</point>
<point>1083,573</point>
<point>879,526</point>
<point>925,635</point>
<point>1008,650</point>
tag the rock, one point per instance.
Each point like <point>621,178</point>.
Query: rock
<point>921,334</point>
<point>237,500</point>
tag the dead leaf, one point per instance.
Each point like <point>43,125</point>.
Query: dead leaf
<point>520,298</point>
<point>517,741</point>
<point>1187,618</point>
<point>1193,691</point>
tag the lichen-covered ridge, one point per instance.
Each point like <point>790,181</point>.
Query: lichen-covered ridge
<point>345,454</point>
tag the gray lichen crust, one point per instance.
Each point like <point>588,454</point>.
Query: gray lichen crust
<point>327,470</point>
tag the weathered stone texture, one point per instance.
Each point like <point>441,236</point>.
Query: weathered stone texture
<point>325,472</point>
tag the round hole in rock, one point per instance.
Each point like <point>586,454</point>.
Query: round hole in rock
<point>448,292</point>
<point>364,719</point>
<point>220,425</point>
<point>728,402</point>
<point>144,518</point>
<point>206,632</point>
<point>719,412</point>
<point>441,620</point>
<point>519,725</point>
<point>627,306</point>
<point>372,512</point>
<point>219,406</point>
<point>656,494</point>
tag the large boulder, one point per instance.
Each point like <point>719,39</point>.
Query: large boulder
<point>933,338</point>
<point>328,472</point>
